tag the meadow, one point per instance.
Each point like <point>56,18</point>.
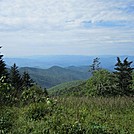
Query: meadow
<point>70,115</point>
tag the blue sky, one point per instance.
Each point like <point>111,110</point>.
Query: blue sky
<point>61,27</point>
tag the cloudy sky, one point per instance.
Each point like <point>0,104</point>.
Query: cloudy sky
<point>60,27</point>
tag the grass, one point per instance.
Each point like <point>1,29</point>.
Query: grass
<point>74,115</point>
<point>61,88</point>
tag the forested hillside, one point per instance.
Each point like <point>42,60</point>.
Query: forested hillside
<point>64,87</point>
<point>56,75</point>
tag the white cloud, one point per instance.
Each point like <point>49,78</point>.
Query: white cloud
<point>66,24</point>
<point>57,13</point>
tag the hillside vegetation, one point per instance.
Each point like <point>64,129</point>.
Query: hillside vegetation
<point>62,88</point>
<point>55,75</point>
<point>70,116</point>
<point>102,104</point>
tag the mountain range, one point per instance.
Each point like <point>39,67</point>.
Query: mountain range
<point>55,75</point>
<point>49,71</point>
<point>44,62</point>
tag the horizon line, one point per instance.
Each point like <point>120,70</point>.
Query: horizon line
<point>34,56</point>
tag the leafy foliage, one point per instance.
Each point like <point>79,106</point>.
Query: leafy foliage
<point>101,83</point>
<point>73,116</point>
<point>32,95</point>
<point>6,92</point>
<point>6,120</point>
<point>35,113</point>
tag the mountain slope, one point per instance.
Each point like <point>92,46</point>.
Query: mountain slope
<point>54,75</point>
<point>56,90</point>
<point>74,88</point>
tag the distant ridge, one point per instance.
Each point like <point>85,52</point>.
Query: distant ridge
<point>107,61</point>
<point>55,75</point>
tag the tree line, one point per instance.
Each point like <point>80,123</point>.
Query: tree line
<point>102,82</point>
<point>118,82</point>
<point>16,88</point>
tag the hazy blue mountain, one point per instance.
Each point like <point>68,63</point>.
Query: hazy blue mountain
<point>49,61</point>
<point>79,68</point>
<point>55,75</point>
<point>70,61</point>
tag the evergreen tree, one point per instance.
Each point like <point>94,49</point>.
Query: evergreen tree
<point>95,65</point>
<point>15,79</point>
<point>45,92</point>
<point>123,75</point>
<point>27,81</point>
<point>3,70</point>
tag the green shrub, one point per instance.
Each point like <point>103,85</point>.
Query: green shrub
<point>6,92</point>
<point>102,84</point>
<point>75,128</point>
<point>33,94</point>
<point>96,128</point>
<point>72,115</point>
<point>6,120</point>
<point>38,111</point>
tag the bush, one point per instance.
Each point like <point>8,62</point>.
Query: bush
<point>6,92</point>
<point>37,111</point>
<point>6,120</point>
<point>102,84</point>
<point>33,95</point>
<point>96,128</point>
<point>94,115</point>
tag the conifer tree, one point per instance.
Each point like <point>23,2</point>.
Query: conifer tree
<point>3,70</point>
<point>15,79</point>
<point>123,75</point>
<point>27,81</point>
<point>95,65</point>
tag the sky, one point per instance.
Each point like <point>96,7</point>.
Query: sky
<point>66,27</point>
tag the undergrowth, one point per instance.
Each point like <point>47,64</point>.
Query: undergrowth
<point>70,115</point>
